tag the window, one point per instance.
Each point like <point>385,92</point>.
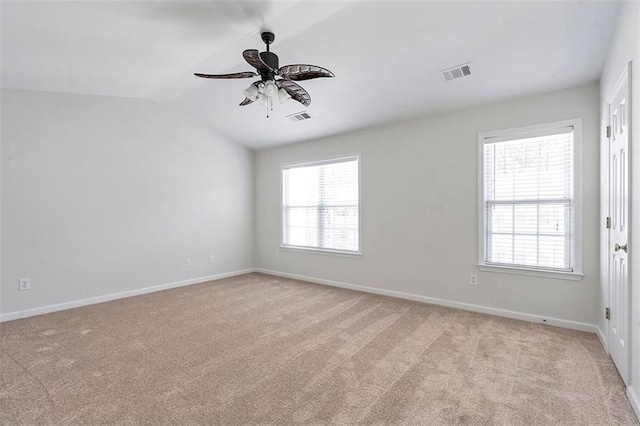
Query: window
<point>320,205</point>
<point>529,212</point>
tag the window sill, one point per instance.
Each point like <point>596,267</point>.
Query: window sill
<point>570,276</point>
<point>309,250</point>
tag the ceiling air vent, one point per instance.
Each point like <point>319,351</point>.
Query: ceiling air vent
<point>299,116</point>
<point>456,72</point>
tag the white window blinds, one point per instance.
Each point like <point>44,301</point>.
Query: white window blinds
<point>320,207</point>
<point>529,200</point>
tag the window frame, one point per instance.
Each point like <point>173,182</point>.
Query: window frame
<point>576,246</point>
<point>317,162</point>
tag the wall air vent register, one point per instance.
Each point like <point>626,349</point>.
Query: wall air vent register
<point>454,73</point>
<point>299,116</point>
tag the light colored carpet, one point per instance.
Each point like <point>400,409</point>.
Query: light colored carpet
<point>256,349</point>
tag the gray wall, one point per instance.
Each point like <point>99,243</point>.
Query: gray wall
<point>419,209</point>
<point>102,195</point>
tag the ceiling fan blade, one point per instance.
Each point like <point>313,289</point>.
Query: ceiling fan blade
<point>252,56</point>
<point>245,74</point>
<point>300,72</point>
<point>246,101</point>
<point>295,91</point>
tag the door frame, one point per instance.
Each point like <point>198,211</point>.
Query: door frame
<point>624,75</point>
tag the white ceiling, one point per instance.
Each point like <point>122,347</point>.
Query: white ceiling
<point>385,54</point>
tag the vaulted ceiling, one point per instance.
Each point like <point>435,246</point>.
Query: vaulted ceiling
<point>386,55</point>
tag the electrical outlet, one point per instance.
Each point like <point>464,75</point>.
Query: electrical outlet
<point>473,279</point>
<point>277,255</point>
<point>188,261</point>
<point>24,284</point>
<point>212,258</point>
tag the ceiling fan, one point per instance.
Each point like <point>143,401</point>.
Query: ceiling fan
<point>275,82</point>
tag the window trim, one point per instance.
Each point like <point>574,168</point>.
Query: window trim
<point>317,162</point>
<point>506,134</point>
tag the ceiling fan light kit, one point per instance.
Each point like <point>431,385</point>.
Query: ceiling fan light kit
<point>270,89</point>
<point>252,93</point>
<point>275,81</point>
<point>283,96</point>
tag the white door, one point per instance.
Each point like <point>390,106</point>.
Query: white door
<point>618,132</point>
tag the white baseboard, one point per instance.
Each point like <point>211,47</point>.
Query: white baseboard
<point>107,297</point>
<point>425,299</point>
<point>573,325</point>
<point>603,339</point>
<point>635,401</point>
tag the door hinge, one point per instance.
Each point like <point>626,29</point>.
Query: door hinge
<point>608,131</point>
<point>608,223</point>
<point>607,313</point>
